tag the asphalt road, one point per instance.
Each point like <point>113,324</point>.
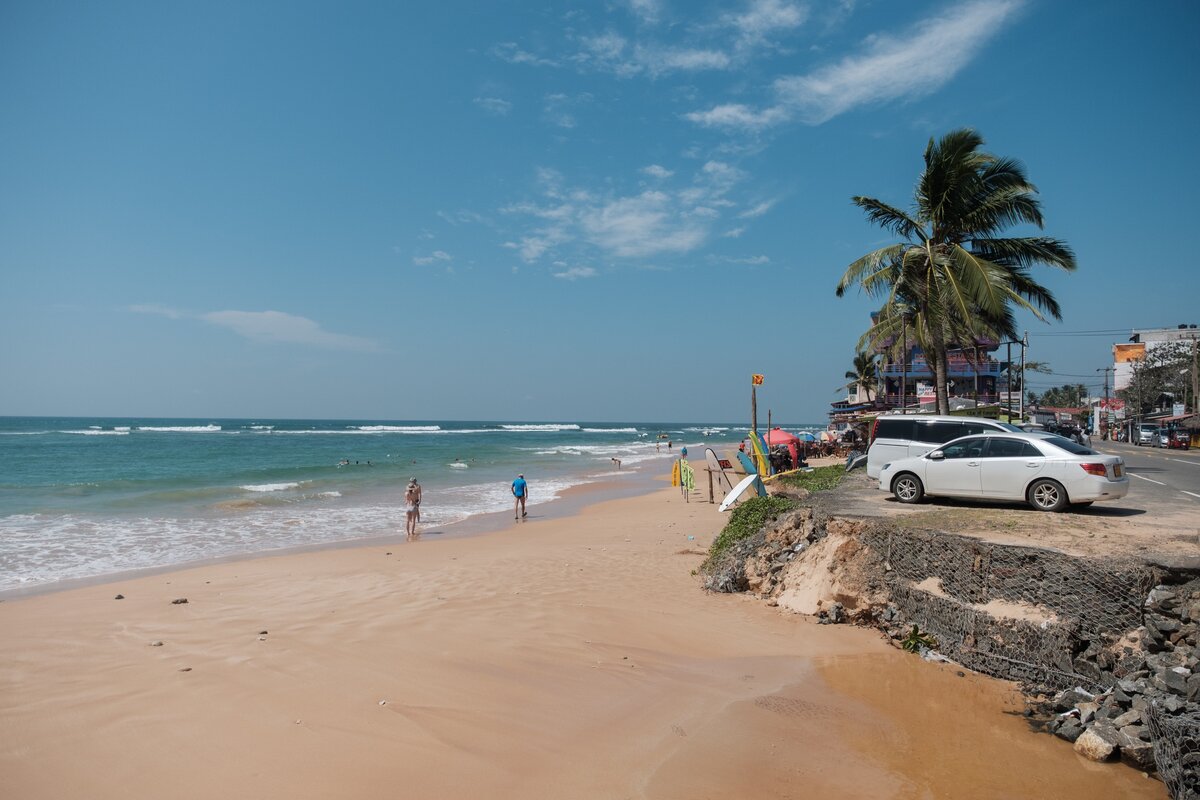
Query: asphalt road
<point>1160,476</point>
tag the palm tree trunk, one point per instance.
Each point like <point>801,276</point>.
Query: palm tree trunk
<point>940,378</point>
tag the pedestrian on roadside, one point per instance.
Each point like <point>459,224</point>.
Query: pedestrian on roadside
<point>520,490</point>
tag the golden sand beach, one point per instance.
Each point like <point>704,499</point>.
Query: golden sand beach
<point>558,658</point>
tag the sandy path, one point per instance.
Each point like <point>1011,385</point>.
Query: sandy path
<point>563,658</point>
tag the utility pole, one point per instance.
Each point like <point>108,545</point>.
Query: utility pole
<point>1024,344</point>
<point>903,364</point>
<point>1103,420</point>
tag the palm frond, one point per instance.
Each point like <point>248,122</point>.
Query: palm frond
<point>890,218</point>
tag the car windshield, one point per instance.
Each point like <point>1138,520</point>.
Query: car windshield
<point>1010,428</point>
<point>1068,445</point>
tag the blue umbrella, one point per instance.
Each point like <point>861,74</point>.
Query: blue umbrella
<point>806,436</point>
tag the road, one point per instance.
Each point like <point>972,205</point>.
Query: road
<point>1170,477</point>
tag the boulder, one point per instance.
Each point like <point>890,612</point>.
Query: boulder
<point>1091,745</point>
<point>1139,755</point>
<point>1069,729</point>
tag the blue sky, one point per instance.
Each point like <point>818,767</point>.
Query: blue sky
<point>596,211</point>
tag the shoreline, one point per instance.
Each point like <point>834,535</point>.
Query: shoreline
<point>569,656</point>
<point>568,502</point>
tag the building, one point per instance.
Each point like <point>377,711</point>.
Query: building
<point>1125,355</point>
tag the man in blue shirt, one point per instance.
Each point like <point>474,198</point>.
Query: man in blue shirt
<point>520,490</point>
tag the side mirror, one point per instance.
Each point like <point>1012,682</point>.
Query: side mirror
<point>936,455</point>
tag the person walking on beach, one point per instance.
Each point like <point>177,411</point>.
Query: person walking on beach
<point>520,490</point>
<point>412,507</point>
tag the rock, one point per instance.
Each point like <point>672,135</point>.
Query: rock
<point>1130,717</point>
<point>1139,755</point>
<point>185,669</point>
<point>1135,733</point>
<point>156,643</point>
<point>1162,598</point>
<point>119,597</point>
<point>1093,746</point>
<point>262,633</point>
<point>1176,682</point>
<point>1087,711</point>
<point>1193,689</point>
<point>178,601</point>
<point>1069,729</point>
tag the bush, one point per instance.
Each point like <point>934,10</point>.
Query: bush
<point>745,521</point>
<point>818,480</point>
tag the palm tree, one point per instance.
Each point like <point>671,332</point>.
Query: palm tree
<point>954,278</point>
<point>863,373</point>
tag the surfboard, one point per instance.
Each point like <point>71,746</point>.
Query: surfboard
<point>746,463</point>
<point>676,476</point>
<point>743,486</point>
<point>760,455</point>
<point>718,466</point>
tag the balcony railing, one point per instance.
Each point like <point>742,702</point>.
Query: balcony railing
<point>955,368</point>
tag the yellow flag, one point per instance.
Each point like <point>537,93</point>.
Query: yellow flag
<point>756,379</point>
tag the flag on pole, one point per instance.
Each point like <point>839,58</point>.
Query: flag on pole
<point>756,379</point>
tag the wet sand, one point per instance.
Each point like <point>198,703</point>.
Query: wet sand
<point>560,657</point>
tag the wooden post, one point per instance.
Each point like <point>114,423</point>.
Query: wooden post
<point>710,486</point>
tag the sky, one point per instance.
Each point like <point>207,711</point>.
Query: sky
<point>611,211</point>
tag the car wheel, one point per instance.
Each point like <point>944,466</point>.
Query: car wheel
<point>907,488</point>
<point>1047,495</point>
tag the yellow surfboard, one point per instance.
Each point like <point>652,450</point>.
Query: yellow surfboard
<point>760,457</point>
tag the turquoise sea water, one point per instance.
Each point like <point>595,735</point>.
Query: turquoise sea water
<point>86,497</point>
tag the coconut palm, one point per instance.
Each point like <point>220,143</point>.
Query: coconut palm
<point>863,373</point>
<point>954,278</point>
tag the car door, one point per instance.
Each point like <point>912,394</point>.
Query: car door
<point>957,472</point>
<point>1008,466</point>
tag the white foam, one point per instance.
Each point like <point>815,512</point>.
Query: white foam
<point>124,428</point>
<point>550,427</point>
<point>610,430</point>
<point>90,432</point>
<point>457,465</point>
<point>330,494</point>
<point>397,428</point>
<point>180,428</point>
<point>269,487</point>
<point>262,427</point>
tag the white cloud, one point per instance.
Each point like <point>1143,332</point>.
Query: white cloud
<point>733,233</point>
<point>661,60</point>
<point>493,105</point>
<point>276,327</point>
<point>436,255</point>
<point>765,17</point>
<point>576,273</point>
<point>757,211</point>
<point>649,11</point>
<point>513,54</point>
<point>895,67</point>
<point>737,115</point>
<point>888,67</point>
<point>750,260</point>
<point>659,220</point>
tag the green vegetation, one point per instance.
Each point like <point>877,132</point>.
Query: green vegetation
<point>916,640</point>
<point>820,479</point>
<point>745,521</point>
<point>954,278</point>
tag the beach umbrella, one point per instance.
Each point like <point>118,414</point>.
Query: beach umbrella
<point>806,436</point>
<point>826,436</point>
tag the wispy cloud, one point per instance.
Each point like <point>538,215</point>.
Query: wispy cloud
<point>576,273</point>
<point>493,105</point>
<point>739,116</point>
<point>655,221</point>
<point>887,68</point>
<point>276,327</point>
<point>762,18</point>
<point>752,260</point>
<point>266,326</point>
<point>656,171</point>
<point>757,210</point>
<point>435,256</point>
<point>513,54</point>
<point>649,11</point>
<point>733,233</point>
<point>892,68</point>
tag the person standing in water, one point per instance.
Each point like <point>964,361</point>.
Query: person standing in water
<point>520,490</point>
<point>412,507</point>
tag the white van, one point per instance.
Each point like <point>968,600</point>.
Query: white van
<point>910,435</point>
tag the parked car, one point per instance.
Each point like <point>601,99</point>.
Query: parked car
<point>1164,438</point>
<point>1180,440</point>
<point>897,436</point>
<point>1147,434</point>
<point>1049,472</point>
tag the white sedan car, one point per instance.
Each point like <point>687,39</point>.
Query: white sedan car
<point>1049,472</point>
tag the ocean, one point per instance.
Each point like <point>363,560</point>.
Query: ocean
<point>81,498</point>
